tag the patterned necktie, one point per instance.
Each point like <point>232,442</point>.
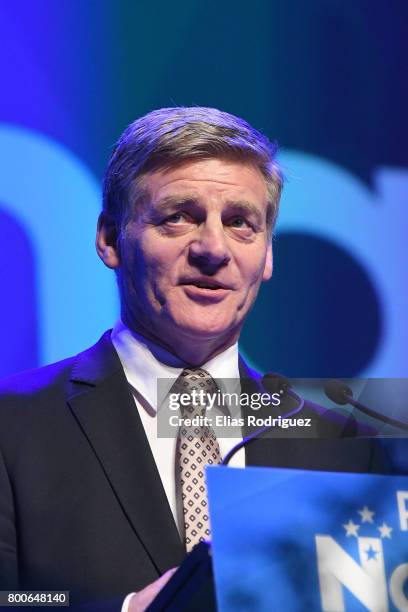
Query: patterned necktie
<point>196,447</point>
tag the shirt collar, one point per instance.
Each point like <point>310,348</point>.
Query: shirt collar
<point>145,361</point>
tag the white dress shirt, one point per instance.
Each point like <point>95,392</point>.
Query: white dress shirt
<point>144,362</point>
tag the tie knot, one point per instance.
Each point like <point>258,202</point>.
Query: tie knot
<point>196,383</point>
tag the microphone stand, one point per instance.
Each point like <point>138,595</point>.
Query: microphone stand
<point>340,393</point>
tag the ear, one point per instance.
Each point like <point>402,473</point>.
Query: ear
<point>267,273</point>
<point>106,241</point>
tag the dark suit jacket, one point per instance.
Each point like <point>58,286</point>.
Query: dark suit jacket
<point>82,507</point>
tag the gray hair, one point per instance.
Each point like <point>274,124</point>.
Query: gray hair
<point>168,137</point>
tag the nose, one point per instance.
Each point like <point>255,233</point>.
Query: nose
<point>209,251</point>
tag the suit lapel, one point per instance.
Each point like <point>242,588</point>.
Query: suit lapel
<point>105,410</point>
<point>280,450</point>
<point>251,383</point>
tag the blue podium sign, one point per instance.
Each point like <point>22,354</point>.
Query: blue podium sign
<point>295,540</point>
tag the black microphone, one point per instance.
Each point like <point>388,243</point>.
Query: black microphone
<point>273,383</point>
<point>276,383</point>
<point>340,393</point>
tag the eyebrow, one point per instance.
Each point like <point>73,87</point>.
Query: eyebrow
<point>237,206</point>
<point>176,201</point>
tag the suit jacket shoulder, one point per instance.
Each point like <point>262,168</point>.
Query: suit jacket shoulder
<point>78,478</point>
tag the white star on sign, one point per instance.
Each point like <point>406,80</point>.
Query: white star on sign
<point>351,528</point>
<point>385,531</point>
<point>366,515</point>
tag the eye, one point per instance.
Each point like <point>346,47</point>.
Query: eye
<point>176,218</point>
<point>239,222</point>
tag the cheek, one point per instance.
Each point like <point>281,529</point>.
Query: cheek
<point>161,260</point>
<point>252,271</point>
<point>152,274</point>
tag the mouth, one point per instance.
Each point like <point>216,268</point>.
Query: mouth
<point>206,290</point>
<point>204,283</point>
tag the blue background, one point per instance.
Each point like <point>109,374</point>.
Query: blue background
<point>327,80</point>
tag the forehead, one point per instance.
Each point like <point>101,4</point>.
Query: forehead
<point>223,179</point>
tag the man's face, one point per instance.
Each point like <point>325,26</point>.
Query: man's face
<point>194,256</point>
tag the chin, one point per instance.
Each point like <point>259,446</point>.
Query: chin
<point>207,328</point>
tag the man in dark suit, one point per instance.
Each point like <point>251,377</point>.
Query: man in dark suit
<point>90,497</point>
